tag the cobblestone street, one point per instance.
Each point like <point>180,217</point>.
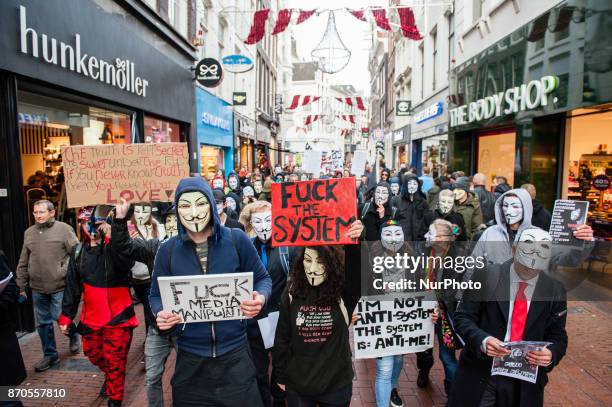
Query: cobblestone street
<point>583,379</point>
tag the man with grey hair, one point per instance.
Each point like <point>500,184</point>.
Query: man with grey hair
<point>42,266</point>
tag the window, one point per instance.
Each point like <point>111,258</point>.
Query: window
<point>45,125</point>
<point>161,131</point>
<point>434,44</point>
<point>178,15</point>
<point>222,37</point>
<point>477,9</point>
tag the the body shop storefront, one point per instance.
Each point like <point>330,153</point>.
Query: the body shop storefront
<point>537,106</point>
<point>80,72</point>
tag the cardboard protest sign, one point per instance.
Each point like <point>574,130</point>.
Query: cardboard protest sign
<point>311,162</point>
<point>311,213</point>
<point>137,172</point>
<point>515,365</point>
<point>205,298</point>
<point>359,161</point>
<point>565,217</point>
<point>393,327</point>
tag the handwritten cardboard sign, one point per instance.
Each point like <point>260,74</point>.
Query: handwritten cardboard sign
<point>311,213</point>
<point>137,172</point>
<point>393,327</point>
<point>205,298</point>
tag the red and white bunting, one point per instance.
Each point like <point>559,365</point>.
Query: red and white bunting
<point>355,101</point>
<point>302,100</point>
<point>311,118</point>
<point>407,27</point>
<point>347,117</point>
<point>346,132</point>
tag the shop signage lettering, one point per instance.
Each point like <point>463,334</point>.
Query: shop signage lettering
<point>215,121</point>
<point>120,73</point>
<point>520,98</point>
<point>429,113</point>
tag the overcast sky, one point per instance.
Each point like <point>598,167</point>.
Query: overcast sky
<point>354,34</point>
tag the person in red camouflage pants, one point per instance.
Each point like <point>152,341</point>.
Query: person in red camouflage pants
<point>102,278</point>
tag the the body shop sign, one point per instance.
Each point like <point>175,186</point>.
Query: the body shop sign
<point>528,96</point>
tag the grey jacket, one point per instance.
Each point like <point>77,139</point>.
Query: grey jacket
<point>495,245</point>
<point>44,257</point>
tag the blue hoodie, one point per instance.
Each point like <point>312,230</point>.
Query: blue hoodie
<point>208,339</point>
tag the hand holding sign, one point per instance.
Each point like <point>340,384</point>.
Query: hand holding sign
<point>166,320</point>
<point>250,308</point>
<point>583,232</point>
<point>541,357</point>
<point>495,347</point>
<point>355,230</point>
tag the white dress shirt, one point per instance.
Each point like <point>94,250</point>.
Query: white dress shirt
<point>514,286</point>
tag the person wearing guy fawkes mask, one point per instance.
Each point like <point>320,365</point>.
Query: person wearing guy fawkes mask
<point>446,211</point>
<point>233,185</point>
<point>233,205</point>
<point>158,345</point>
<point>213,365</point>
<point>394,182</point>
<point>518,301</point>
<point>412,209</point>
<point>248,194</point>
<point>257,220</point>
<point>377,211</point>
<point>222,210</point>
<point>513,212</point>
<point>101,276</point>
<point>257,186</point>
<point>389,368</point>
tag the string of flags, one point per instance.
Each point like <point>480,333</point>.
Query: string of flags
<point>303,100</point>
<point>311,118</point>
<point>284,17</point>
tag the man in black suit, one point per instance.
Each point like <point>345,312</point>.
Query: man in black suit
<point>517,302</point>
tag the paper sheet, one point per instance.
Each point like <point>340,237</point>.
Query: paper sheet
<point>267,326</point>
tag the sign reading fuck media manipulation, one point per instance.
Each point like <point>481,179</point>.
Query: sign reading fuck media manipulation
<point>104,174</point>
<point>311,213</point>
<point>206,298</point>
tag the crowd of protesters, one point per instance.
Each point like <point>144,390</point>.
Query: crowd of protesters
<point>224,225</point>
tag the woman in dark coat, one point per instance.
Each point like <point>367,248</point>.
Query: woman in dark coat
<point>13,371</point>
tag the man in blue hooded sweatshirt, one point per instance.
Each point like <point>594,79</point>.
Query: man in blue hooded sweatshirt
<point>214,365</point>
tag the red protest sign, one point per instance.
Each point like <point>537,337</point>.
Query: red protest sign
<point>312,213</point>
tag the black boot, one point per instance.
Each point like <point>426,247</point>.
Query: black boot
<point>423,378</point>
<point>114,403</point>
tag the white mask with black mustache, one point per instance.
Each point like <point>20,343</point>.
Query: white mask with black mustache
<point>262,225</point>
<point>193,210</point>
<point>534,249</point>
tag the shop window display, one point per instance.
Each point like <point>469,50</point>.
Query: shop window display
<point>161,131</point>
<point>588,162</point>
<point>45,125</point>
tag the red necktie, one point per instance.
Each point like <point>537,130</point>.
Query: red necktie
<point>519,314</point>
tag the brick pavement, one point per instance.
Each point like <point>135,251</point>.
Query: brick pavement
<point>584,377</point>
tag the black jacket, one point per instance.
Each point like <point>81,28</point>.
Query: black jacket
<point>13,371</point>
<point>481,315</point>
<point>102,277</point>
<point>372,222</point>
<point>541,217</point>
<point>412,211</point>
<point>487,203</point>
<point>314,367</point>
<point>232,223</point>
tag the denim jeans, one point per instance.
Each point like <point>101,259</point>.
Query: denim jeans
<point>448,358</point>
<point>388,369</point>
<point>157,350</point>
<point>47,308</point>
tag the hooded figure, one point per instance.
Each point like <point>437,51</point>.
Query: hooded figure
<point>394,182</point>
<point>445,210</point>
<point>412,209</point>
<point>491,243</point>
<point>233,205</point>
<point>233,185</point>
<point>371,218</point>
<point>213,361</point>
